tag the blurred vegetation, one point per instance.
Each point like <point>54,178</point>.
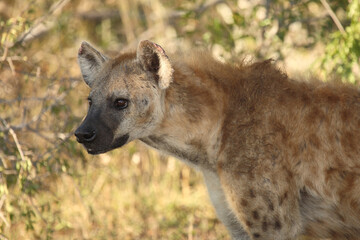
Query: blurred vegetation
<point>343,50</point>
<point>50,188</point>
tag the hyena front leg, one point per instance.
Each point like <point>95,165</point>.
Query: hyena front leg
<point>266,210</point>
<point>222,208</point>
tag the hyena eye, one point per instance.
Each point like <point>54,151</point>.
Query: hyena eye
<point>89,101</point>
<point>120,103</point>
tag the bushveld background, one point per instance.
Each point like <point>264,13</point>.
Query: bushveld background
<point>50,188</point>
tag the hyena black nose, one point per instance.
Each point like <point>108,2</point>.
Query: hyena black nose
<point>85,136</point>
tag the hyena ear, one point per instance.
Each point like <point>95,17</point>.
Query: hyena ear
<point>90,61</point>
<point>154,59</point>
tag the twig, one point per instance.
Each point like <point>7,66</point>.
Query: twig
<point>99,15</point>
<point>72,79</point>
<point>40,27</point>
<point>40,134</point>
<point>2,200</point>
<point>4,56</point>
<point>9,172</point>
<point>18,99</point>
<point>2,237</point>
<point>2,217</point>
<point>55,148</point>
<point>35,118</point>
<point>333,16</point>
<point>18,146</point>
<point>9,60</point>
<point>191,228</point>
<point>29,198</point>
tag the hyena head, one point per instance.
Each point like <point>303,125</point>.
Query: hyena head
<point>126,97</point>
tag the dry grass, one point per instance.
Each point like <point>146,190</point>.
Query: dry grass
<point>131,193</point>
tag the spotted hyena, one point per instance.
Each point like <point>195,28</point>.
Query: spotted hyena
<point>280,157</point>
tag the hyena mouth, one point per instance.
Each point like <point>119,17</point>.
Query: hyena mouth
<point>94,151</point>
<point>118,142</point>
<point>121,141</point>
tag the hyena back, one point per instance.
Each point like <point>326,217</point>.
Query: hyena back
<point>280,158</point>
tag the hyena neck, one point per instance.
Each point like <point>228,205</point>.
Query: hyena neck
<point>192,121</point>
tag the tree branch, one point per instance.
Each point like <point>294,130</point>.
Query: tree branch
<point>42,25</point>
<point>333,16</point>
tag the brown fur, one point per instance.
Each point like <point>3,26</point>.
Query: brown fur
<point>280,157</point>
